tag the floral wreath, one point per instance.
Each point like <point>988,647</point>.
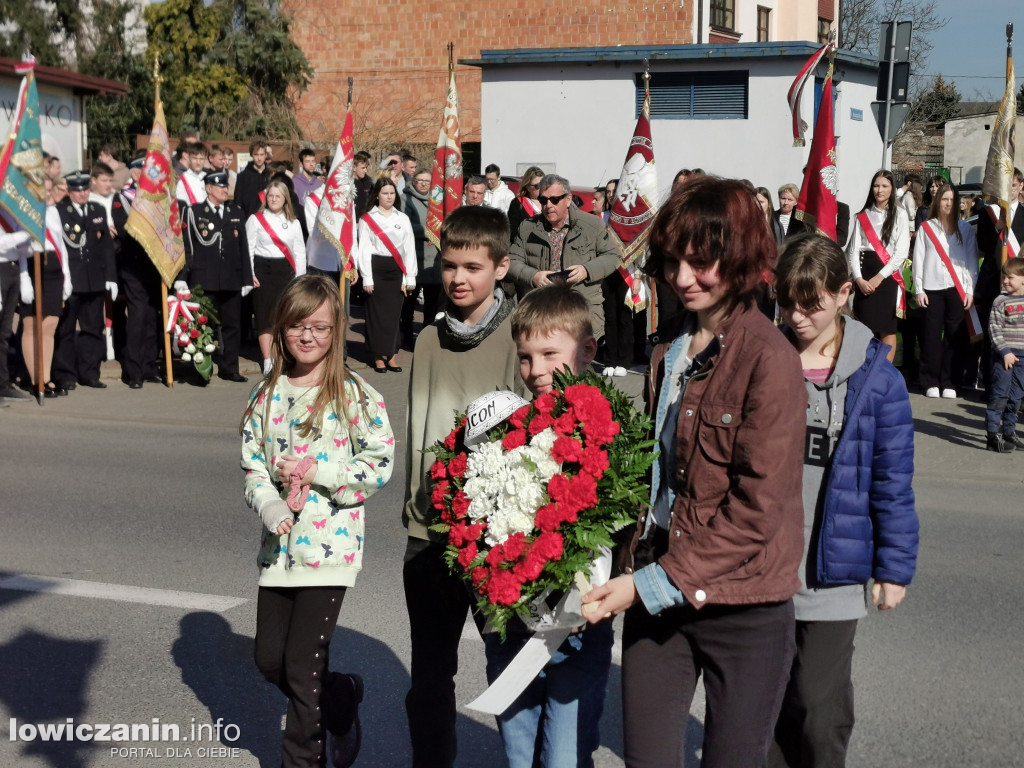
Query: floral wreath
<point>189,316</point>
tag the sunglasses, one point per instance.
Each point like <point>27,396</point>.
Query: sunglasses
<point>554,199</point>
<point>533,186</point>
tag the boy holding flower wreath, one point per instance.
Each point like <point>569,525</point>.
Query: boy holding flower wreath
<point>459,357</point>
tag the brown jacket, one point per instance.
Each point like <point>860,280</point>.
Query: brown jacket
<point>736,533</point>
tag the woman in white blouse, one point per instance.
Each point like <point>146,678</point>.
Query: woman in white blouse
<point>386,259</point>
<point>877,297</point>
<point>945,293</point>
<point>277,253</point>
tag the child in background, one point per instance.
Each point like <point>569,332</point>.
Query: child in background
<point>554,722</point>
<point>1006,329</point>
<point>459,357</point>
<point>859,518</point>
<point>317,443</point>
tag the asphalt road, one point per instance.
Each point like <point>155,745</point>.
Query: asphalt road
<point>105,491</point>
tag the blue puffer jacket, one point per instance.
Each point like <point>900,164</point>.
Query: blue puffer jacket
<point>869,526</point>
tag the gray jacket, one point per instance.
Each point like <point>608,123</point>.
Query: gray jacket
<point>426,253</point>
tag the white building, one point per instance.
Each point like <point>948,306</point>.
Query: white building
<point>722,108</point>
<point>965,150</point>
<point>62,116</point>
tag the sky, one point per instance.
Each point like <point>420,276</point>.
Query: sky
<point>971,49</point>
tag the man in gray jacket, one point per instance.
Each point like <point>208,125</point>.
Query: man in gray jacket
<point>428,276</point>
<point>563,243</point>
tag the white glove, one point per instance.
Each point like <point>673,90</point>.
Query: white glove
<point>28,293</point>
<point>246,290</point>
<point>65,293</point>
<point>112,287</point>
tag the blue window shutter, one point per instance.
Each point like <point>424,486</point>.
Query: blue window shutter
<point>696,95</point>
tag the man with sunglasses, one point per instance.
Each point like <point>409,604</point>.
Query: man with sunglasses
<point>562,243</point>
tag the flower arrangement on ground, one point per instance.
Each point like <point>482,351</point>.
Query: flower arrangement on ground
<point>189,318</point>
<point>535,501</point>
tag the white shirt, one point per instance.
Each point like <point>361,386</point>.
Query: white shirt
<point>500,198</point>
<point>289,232</point>
<point>195,183</point>
<point>898,245</point>
<point>55,229</point>
<point>930,274</point>
<point>398,228</point>
<point>106,202</point>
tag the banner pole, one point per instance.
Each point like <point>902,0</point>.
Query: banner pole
<point>37,278</point>
<point>167,336</point>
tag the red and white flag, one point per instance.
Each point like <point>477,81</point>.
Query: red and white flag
<point>336,216</point>
<point>818,206</point>
<point>446,179</point>
<point>635,204</point>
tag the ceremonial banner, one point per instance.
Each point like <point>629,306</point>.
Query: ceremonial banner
<point>999,167</point>
<point>796,90</point>
<point>22,189</point>
<point>817,206</point>
<point>154,220</point>
<point>446,180</point>
<point>635,204</point>
<point>336,215</point>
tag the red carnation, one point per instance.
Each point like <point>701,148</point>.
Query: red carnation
<point>514,546</point>
<point>583,490</point>
<point>202,319</point>
<point>548,518</point>
<point>503,588</point>
<point>449,442</point>
<point>548,546</point>
<point>518,418</point>
<point>514,439</point>
<point>457,466</point>
<point>594,462</point>
<point>545,403</point>
<point>438,494</point>
<point>195,333</point>
<point>467,554</point>
<point>566,449</point>
<point>438,471</point>
<point>558,488</point>
<point>530,568</point>
<point>566,423</point>
<point>460,504</point>
<point>540,422</point>
<point>457,534</point>
<point>478,574</point>
<point>475,531</point>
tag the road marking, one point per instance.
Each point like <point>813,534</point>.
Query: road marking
<point>121,593</point>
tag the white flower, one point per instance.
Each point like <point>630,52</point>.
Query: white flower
<point>191,348</point>
<point>209,348</point>
<point>186,357</point>
<point>199,357</point>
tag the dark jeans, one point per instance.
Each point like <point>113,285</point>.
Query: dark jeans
<point>293,636</point>
<point>943,322</point>
<point>1006,388</point>
<point>744,654</point>
<point>437,603</point>
<point>817,711</point>
<point>10,290</point>
<point>77,355</point>
<point>618,322</point>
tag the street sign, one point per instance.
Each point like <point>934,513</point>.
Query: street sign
<point>903,33</point>
<point>900,81</point>
<point>899,113</point>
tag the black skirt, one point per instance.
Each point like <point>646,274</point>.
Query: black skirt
<point>384,307</point>
<point>274,275</point>
<point>53,285</point>
<point>878,310</point>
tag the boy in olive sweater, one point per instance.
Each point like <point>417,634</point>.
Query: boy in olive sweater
<point>461,356</point>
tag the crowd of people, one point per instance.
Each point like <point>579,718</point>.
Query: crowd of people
<point>771,387</point>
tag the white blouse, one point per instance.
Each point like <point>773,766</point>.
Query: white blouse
<point>289,232</point>
<point>398,228</point>
<point>930,274</point>
<point>898,245</point>
<point>194,181</point>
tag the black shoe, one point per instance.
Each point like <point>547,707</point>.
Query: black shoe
<point>1013,441</point>
<point>51,390</point>
<point>13,393</point>
<point>393,368</point>
<point>154,378</point>
<point>93,384</point>
<point>134,384</point>
<point>235,377</point>
<point>68,386</point>
<point>345,739</point>
<point>996,443</point>
<point>385,369</point>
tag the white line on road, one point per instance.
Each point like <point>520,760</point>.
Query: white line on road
<point>120,592</point>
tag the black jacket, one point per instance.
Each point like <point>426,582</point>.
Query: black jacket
<point>90,249</point>
<point>248,186</point>
<point>216,250</point>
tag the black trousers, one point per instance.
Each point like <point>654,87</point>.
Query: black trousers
<point>140,284</point>
<point>943,321</point>
<point>431,306</point>
<point>437,602</point>
<point>293,636</point>
<point>77,354</point>
<point>744,654</point>
<point>10,289</point>
<point>817,711</point>
<point>229,309</point>
<point>618,322</point>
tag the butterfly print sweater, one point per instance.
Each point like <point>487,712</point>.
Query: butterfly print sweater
<point>325,545</point>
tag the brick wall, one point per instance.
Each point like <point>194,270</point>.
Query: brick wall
<point>395,51</point>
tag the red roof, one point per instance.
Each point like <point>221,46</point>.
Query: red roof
<point>81,84</point>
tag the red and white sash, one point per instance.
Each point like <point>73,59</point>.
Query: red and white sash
<point>995,213</point>
<point>531,206</point>
<point>375,228</point>
<point>192,199</point>
<point>883,254</point>
<point>275,239</point>
<point>973,321</point>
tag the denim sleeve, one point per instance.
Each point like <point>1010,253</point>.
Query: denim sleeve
<point>656,590</point>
